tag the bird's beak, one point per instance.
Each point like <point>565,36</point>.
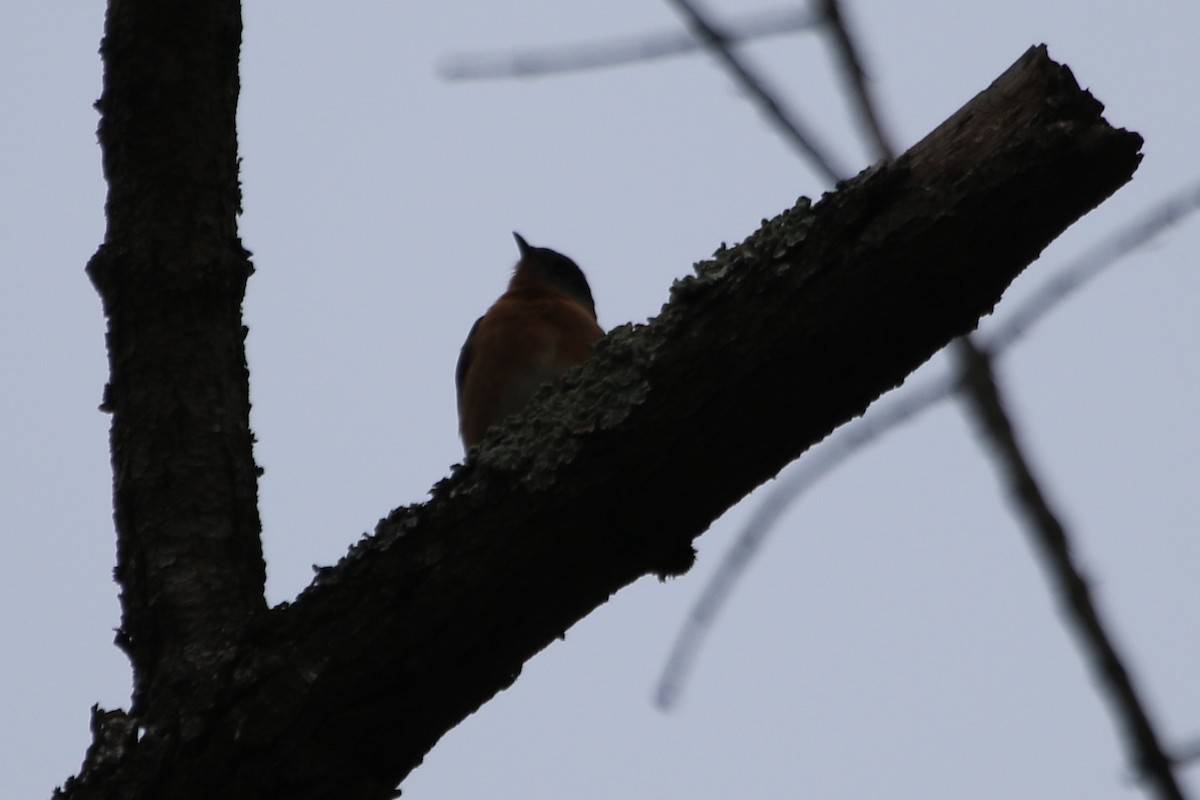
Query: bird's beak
<point>522,245</point>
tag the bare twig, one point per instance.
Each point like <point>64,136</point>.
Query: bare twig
<point>718,43</point>
<point>1050,537</point>
<point>856,77</point>
<point>556,60</point>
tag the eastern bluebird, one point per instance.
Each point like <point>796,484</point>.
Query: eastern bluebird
<point>544,324</point>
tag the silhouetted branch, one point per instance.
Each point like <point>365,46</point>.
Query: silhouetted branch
<point>856,77</point>
<point>1149,224</point>
<point>557,60</point>
<point>795,481</point>
<point>786,121</point>
<point>1050,537</point>
<point>881,419</point>
<point>978,384</point>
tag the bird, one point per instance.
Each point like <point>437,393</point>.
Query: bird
<point>544,324</point>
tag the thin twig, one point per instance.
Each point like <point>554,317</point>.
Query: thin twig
<point>598,55</point>
<point>856,77</point>
<point>1050,537</point>
<point>787,122</point>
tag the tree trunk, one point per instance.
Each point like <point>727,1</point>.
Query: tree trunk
<point>171,274</point>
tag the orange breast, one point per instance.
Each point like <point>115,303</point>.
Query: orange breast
<point>526,339</point>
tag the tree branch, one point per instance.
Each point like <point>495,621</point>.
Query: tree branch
<point>784,120</point>
<point>979,386</point>
<point>1048,535</point>
<point>886,416</point>
<point>611,473</point>
<point>617,52</point>
<point>855,75</point>
<point>171,274</point>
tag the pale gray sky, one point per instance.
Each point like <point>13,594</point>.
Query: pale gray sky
<point>896,640</point>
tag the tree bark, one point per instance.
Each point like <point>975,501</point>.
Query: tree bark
<point>607,477</point>
<point>171,274</point>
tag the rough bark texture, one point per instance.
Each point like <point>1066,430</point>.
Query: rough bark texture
<point>608,477</point>
<point>171,274</point>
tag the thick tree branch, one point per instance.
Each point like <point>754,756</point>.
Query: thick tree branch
<point>612,473</point>
<point>885,417</point>
<point>171,273</point>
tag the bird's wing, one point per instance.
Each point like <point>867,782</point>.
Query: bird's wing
<point>465,356</point>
